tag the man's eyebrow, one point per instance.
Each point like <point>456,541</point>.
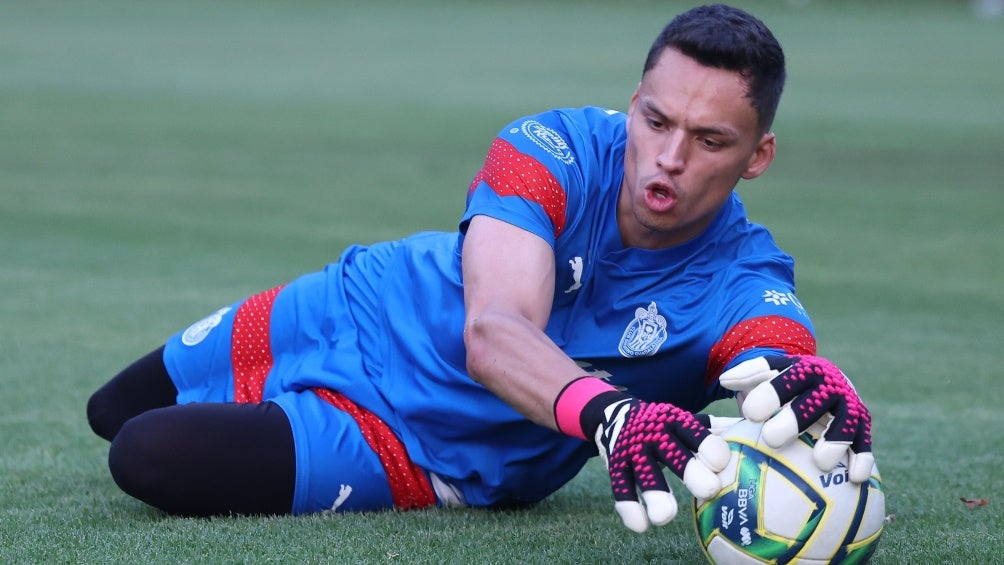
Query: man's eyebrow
<point>722,130</point>
<point>653,110</point>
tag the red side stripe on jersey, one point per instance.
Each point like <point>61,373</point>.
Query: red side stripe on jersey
<point>409,486</point>
<point>766,331</point>
<point>511,173</point>
<point>251,346</point>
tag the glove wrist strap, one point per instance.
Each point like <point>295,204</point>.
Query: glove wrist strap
<point>578,409</point>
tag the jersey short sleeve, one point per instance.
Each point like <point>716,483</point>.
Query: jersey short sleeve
<point>539,169</point>
<point>764,316</point>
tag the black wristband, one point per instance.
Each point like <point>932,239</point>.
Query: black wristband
<point>592,415</point>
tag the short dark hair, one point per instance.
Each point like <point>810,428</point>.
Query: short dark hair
<point>728,38</point>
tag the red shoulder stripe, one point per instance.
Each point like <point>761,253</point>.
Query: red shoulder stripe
<point>511,173</point>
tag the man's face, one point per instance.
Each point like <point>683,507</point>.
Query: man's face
<point>691,135</point>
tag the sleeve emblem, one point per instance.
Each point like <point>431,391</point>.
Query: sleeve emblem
<point>549,140</point>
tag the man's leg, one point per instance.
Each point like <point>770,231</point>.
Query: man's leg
<point>142,386</point>
<point>208,459</point>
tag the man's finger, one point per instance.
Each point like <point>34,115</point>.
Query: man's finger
<point>660,505</point>
<point>633,515</point>
<point>826,454</point>
<point>860,466</point>
<point>701,481</point>
<point>747,375</point>
<point>714,452</point>
<point>779,430</point>
<point>761,402</point>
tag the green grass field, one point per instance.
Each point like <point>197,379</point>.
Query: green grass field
<point>160,159</point>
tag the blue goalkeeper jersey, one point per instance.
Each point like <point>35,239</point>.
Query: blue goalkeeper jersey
<point>660,324</point>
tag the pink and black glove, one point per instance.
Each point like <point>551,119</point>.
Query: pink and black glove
<point>635,439</point>
<point>807,390</point>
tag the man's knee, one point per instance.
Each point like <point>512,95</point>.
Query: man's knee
<point>143,385</point>
<point>100,416</point>
<point>135,458</point>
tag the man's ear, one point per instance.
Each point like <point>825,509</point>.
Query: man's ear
<point>634,100</point>
<point>762,156</point>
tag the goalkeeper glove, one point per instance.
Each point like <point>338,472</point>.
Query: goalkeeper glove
<point>634,438</point>
<point>807,390</point>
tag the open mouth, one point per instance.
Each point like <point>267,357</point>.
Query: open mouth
<point>660,197</point>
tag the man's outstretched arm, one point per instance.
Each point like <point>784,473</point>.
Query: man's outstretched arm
<point>508,290</point>
<point>509,286</point>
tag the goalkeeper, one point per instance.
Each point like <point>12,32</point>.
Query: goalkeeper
<point>604,286</point>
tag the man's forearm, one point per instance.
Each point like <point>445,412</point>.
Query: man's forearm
<point>518,362</point>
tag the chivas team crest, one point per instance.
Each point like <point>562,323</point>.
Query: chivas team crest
<point>644,334</point>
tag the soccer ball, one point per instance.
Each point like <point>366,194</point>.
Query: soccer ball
<point>776,506</point>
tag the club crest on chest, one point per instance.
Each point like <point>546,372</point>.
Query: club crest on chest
<point>644,334</point>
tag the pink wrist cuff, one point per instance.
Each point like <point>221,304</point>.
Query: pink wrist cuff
<point>572,399</point>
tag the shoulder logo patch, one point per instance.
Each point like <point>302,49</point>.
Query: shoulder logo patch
<point>644,334</point>
<point>778,298</point>
<point>199,330</point>
<point>548,140</point>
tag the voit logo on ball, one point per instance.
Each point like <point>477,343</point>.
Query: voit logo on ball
<point>838,476</point>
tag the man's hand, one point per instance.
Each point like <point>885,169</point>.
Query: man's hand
<point>810,389</point>
<point>635,438</point>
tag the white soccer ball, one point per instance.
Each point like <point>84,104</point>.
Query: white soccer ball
<point>776,506</point>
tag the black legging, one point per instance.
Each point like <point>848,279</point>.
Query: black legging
<point>200,459</point>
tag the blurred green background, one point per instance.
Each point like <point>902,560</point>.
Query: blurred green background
<point>160,159</point>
